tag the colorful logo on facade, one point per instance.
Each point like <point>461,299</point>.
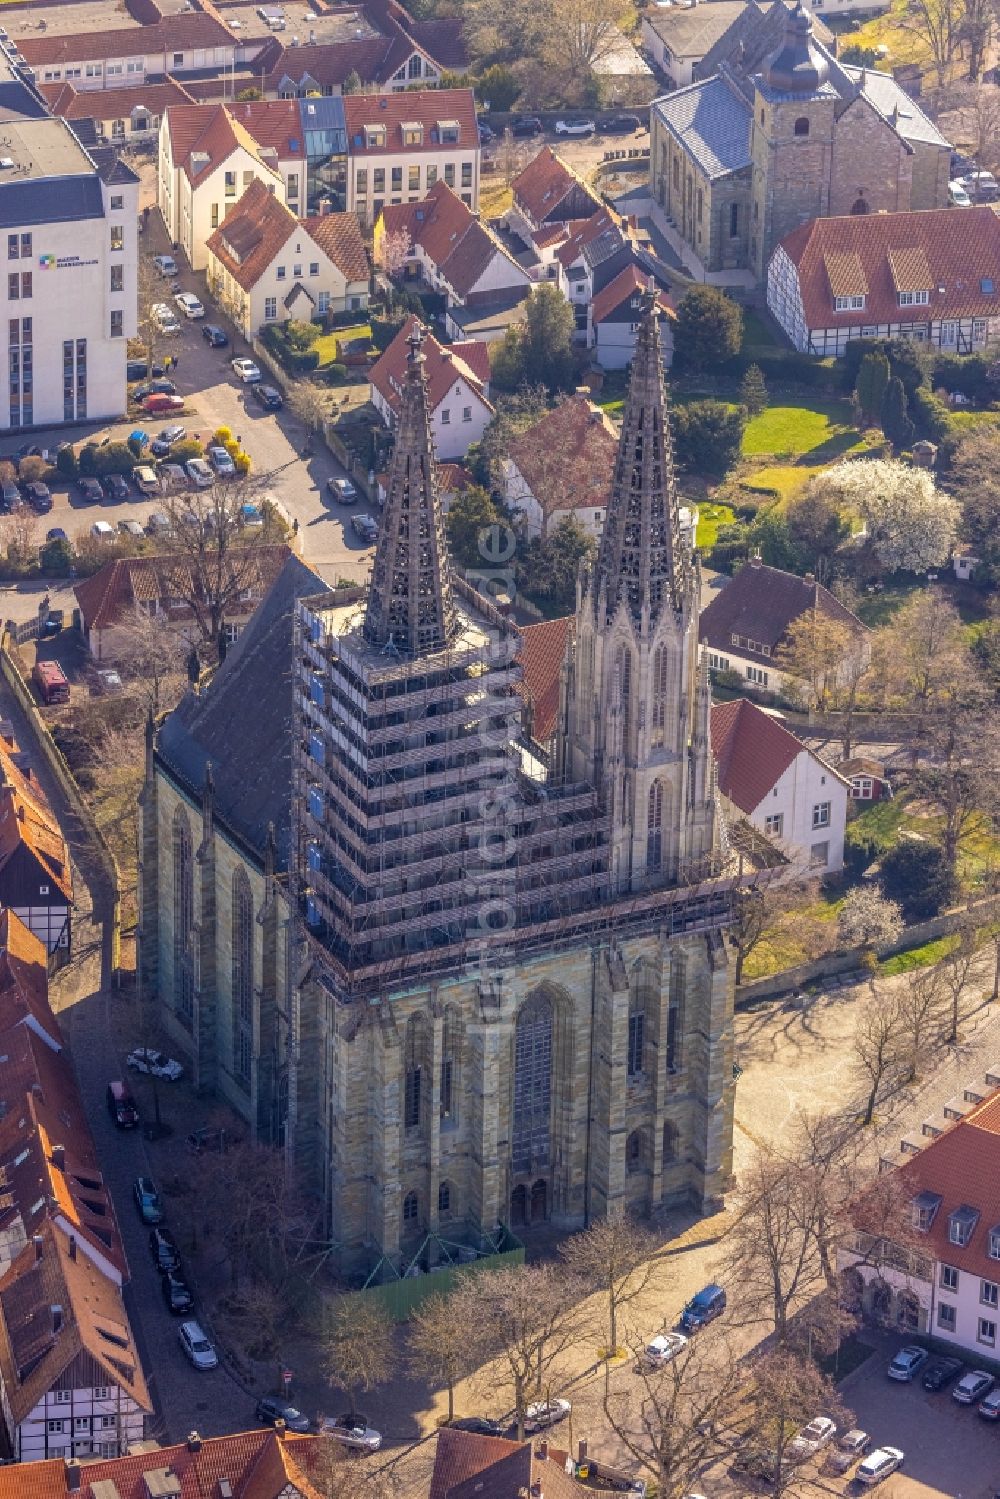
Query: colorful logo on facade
<point>47,262</point>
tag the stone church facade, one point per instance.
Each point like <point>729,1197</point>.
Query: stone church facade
<point>472,984</point>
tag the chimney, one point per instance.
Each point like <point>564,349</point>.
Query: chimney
<point>542,1451</point>
<point>193,1442</point>
<point>57,1318</point>
<point>72,1246</point>
<point>59,1157</point>
<point>279,1429</point>
<point>809,578</point>
<point>73,1475</point>
<point>39,1244</point>
<point>581,1450</point>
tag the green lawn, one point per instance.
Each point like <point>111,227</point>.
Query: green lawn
<point>756,333</point>
<point>918,957</point>
<point>710,518</point>
<point>906,812</point>
<point>326,344</point>
<point>819,431</point>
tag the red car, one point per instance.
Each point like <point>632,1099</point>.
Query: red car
<point>157,402</point>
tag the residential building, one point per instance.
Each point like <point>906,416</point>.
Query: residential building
<point>562,465</point>
<point>890,275</point>
<point>266,266</point>
<point>749,619</point>
<point>209,154</point>
<point>752,37</point>
<point>36,880</point>
<point>165,588</point>
<point>941,1275</point>
<point>743,157</point>
<point>458,388</point>
<point>678,36</point>
<point>399,146</point>
<point>185,42</point>
<point>570,1059</point>
<point>247,1465</point>
<point>546,192</point>
<point>68,224</point>
<point>621,73</point>
<point>486,323</point>
<point>127,116</point>
<point>450,249</point>
<point>466,1462</point>
<point>790,794</point>
<point>615,318</point>
<point>544,651</point>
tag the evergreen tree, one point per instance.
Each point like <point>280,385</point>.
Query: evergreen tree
<point>894,417</point>
<point>870,386</point>
<point>753,390</point>
<point>709,329</point>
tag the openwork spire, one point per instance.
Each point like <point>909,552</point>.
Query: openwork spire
<point>410,607</point>
<point>643,560</point>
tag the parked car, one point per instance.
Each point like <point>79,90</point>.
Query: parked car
<point>989,1408</point>
<point>163,1248</point>
<point>352,1430</point>
<point>147,1200</point>
<point>251,515</point>
<point>619,124</point>
<point>481,1425</point>
<point>116,487</point>
<point>10,497</point>
<point>176,1293</point>
<point>214,336</point>
<point>157,404</point>
<point>660,1350</point>
<point>269,396</point>
<point>221,461</point>
<point>165,440</point>
<point>145,1059</point>
<point>972,1387</point>
<point>908,1363</point>
<point>102,530</point>
<point>957,195</point>
<point>982,187</point>
<point>342,490</point>
<point>575,127</point>
<point>165,264</point>
<point>38,497</point>
<point>196,1346</point>
<point>56,533</point>
<point>199,472</point>
<point>365,527</point>
<point>847,1449</point>
<point>245,370</point>
<point>173,476</point>
<point>145,480</point>
<point>545,1413</point>
<point>154,388</point>
<point>189,304</point>
<point>138,440</point>
<point>486,134</point>
<point>121,1106</point>
<point>89,490</point>
<point>811,1439</point>
<point>271,1408</point>
<point>940,1372</point>
<point>165,318</point>
<point>158,524</point>
<point>709,1303</point>
<point>878,1465</point>
<point>524,126</point>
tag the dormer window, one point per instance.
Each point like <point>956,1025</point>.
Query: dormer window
<point>925,1207</point>
<point>961,1225</point>
<point>994,1246</point>
<point>914,298</point>
<point>413,134</point>
<point>849,304</point>
<point>374,136</point>
<point>448,132</point>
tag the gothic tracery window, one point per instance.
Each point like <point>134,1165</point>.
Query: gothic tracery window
<point>242,977</point>
<point>183,894</point>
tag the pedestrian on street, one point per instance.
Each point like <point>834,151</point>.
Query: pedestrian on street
<point>166,365</point>
<point>173,361</point>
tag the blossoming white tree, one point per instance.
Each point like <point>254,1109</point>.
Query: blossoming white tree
<point>910,523</point>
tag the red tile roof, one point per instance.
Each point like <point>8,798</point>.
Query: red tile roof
<point>258,1465</point>
<point>427,107</point>
<point>468,360</point>
<point>469,1466</point>
<point>252,234</point>
<point>177,33</point>
<point>628,283</point>
<point>583,232</point>
<point>543,650</point>
<point>326,63</point>
<point>28,822</point>
<point>216,130</point>
<point>752,751</point>
<point>759,604</point>
<point>339,237</point>
<point>544,183</point>
<point>120,585</point>
<point>113,103</point>
<point>567,458</point>
<point>878,255</point>
<point>24,979</point>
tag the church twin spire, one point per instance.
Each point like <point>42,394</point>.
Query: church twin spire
<point>643,561</point>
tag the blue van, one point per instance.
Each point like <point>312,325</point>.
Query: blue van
<point>705,1307</point>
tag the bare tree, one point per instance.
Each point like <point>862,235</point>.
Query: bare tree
<point>442,1346</point>
<point>962,766</point>
<point>937,23</point>
<point>921,1005</point>
<point>787,1389</point>
<point>615,1255</point>
<point>878,1042</point>
<point>813,654</point>
<point>529,1317</point>
<point>956,971</point>
<point>220,556</point>
<point>332,1472</point>
<point>151,658</point>
<point>358,1347</point>
<point>758,908</point>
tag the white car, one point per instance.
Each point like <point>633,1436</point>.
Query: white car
<point>812,1439</point>
<point>199,472</point>
<point>352,1430</point>
<point>342,490</point>
<point>189,304</point>
<point>163,317</point>
<point>852,1445</point>
<point>575,127</point>
<point>221,461</point>
<point>145,479</point>
<point>545,1413</point>
<point>246,370</point>
<point>103,530</point>
<point>145,1059</point>
<point>660,1350</point>
<point>197,1347</point>
<point>878,1465</point>
<point>957,195</point>
<point>165,264</point>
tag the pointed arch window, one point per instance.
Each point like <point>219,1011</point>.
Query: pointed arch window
<point>242,978</point>
<point>623,689</point>
<point>654,828</point>
<point>183,893</point>
<point>661,668</point>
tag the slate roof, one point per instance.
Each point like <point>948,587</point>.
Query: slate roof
<point>177,33</point>
<point>424,106</point>
<point>752,37</point>
<point>759,605</point>
<point>51,200</point>
<point>712,122</point>
<point>882,90</point>
<point>590,240</point>
<point>468,360</point>
<point>627,283</point>
<point>885,253</point>
<point>543,649</point>
<point>691,31</point>
<point>241,723</point>
<point>752,751</point>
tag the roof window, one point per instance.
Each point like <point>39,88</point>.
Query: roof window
<point>961,1224</point>
<point>925,1206</point>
